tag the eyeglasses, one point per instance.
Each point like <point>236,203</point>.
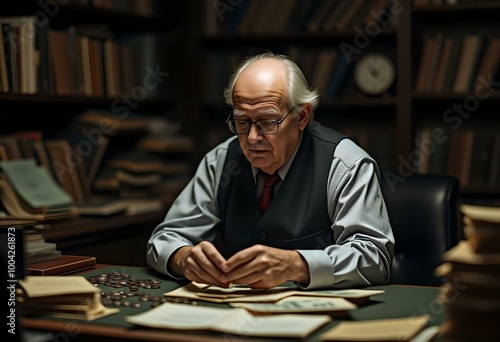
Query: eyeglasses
<point>266,127</point>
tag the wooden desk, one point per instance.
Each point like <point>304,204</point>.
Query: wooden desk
<point>397,301</point>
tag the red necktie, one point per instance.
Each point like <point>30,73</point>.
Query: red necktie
<point>268,192</point>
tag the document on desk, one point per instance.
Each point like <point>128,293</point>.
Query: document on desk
<point>301,304</point>
<point>236,321</point>
<point>388,330</point>
<point>199,291</point>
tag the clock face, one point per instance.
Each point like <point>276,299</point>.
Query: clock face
<point>374,74</point>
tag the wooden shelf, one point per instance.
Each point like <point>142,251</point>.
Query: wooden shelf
<point>88,225</point>
<point>115,239</point>
<point>115,19</point>
<point>76,100</point>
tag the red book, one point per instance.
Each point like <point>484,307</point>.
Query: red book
<point>65,264</point>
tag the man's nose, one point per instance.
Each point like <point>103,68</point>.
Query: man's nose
<point>254,134</point>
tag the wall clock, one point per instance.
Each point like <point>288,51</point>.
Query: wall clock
<point>374,73</point>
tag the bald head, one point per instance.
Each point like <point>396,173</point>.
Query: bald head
<point>268,67</point>
<point>262,80</point>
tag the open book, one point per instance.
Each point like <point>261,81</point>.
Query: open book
<point>64,296</point>
<point>236,321</point>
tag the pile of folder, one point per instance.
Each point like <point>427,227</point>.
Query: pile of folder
<point>471,270</point>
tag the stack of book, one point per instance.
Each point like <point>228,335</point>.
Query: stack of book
<point>148,158</point>
<point>63,296</point>
<point>471,269</point>
<point>36,249</point>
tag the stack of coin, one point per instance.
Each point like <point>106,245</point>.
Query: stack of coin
<point>121,280</point>
<point>132,298</point>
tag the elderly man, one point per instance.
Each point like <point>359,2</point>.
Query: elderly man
<point>286,199</point>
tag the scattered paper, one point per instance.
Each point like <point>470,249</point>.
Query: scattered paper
<point>301,304</point>
<point>236,321</point>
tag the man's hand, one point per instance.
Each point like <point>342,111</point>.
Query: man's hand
<point>264,267</point>
<point>201,263</point>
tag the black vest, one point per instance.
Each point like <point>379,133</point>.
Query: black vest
<point>298,216</point>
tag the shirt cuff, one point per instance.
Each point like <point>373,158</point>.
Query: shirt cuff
<point>320,269</point>
<point>169,272</point>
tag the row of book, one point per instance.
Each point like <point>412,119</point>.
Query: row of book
<point>470,295</point>
<point>458,64</point>
<point>470,155</point>
<point>314,16</point>
<point>79,60</point>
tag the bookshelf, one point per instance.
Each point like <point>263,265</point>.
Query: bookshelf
<point>388,125</point>
<point>458,42</point>
<point>62,60</point>
<point>327,39</point>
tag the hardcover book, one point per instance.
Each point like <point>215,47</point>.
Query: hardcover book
<point>65,264</point>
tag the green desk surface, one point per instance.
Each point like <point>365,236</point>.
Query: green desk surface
<point>396,301</point>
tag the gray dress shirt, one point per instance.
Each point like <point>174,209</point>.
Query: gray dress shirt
<point>364,242</point>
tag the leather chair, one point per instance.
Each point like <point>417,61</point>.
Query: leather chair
<point>423,214</point>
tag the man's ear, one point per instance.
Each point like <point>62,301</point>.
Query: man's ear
<point>305,116</point>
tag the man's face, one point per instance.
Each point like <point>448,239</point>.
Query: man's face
<point>260,93</point>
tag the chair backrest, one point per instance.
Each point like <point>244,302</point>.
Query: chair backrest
<point>423,214</point>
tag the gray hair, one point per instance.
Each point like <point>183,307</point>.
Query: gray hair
<point>299,92</point>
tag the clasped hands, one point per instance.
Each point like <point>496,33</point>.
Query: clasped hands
<point>258,266</point>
